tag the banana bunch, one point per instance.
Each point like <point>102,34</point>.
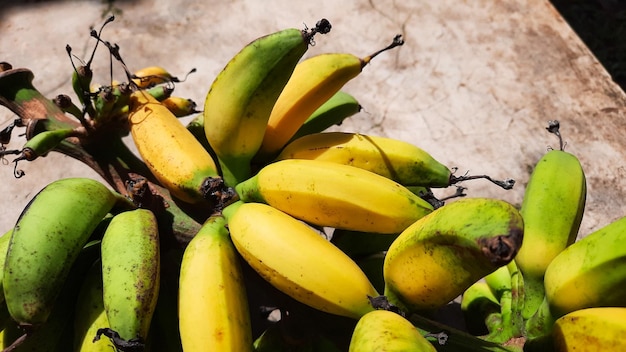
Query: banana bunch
<point>306,239</point>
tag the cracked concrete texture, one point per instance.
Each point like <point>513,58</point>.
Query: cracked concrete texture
<point>474,84</point>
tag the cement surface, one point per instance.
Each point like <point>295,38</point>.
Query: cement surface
<point>475,83</point>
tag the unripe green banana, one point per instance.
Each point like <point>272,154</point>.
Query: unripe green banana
<point>480,308</point>
<point>314,81</point>
<point>381,330</point>
<point>438,257</point>
<point>213,307</point>
<point>4,247</point>
<point>90,315</point>
<point>40,144</point>
<point>552,208</point>
<point>298,261</point>
<point>400,161</point>
<point>334,195</point>
<point>55,334</point>
<point>130,275</point>
<point>589,273</point>
<point>46,241</point>
<point>240,100</point>
<point>336,109</point>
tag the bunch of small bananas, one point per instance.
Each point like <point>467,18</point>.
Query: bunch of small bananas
<point>305,240</point>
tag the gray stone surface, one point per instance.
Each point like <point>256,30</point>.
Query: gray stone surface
<point>474,84</point>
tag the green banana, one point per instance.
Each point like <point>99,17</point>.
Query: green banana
<point>4,247</point>
<point>54,335</point>
<point>46,240</point>
<point>334,195</point>
<point>240,100</point>
<point>438,257</point>
<point>41,144</point>
<point>589,273</point>
<point>480,308</point>
<point>336,109</point>
<point>552,208</point>
<point>382,330</point>
<point>130,276</point>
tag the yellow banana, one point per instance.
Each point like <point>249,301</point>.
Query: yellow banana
<point>239,102</point>
<point>438,257</point>
<point>150,76</point>
<point>169,150</point>
<point>381,330</point>
<point>298,261</point>
<point>130,276</point>
<point>552,208</point>
<point>336,109</point>
<point>330,194</point>
<point>400,161</point>
<point>213,307</point>
<point>180,106</point>
<point>90,315</point>
<point>591,329</point>
<point>313,82</point>
<point>45,242</point>
<point>589,273</point>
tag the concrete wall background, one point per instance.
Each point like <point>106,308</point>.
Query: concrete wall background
<point>475,83</point>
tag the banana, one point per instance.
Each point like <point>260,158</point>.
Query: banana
<point>552,208</point>
<point>180,106</point>
<point>46,240</point>
<point>314,81</point>
<point>150,76</point>
<point>589,273</point>
<point>438,257</point>
<point>40,144</point>
<point>4,246</point>
<point>499,281</point>
<point>400,161</point>
<point>90,315</point>
<point>170,151</point>
<point>336,109</point>
<point>591,329</point>
<point>334,195</point>
<point>130,276</point>
<point>480,307</point>
<point>54,335</point>
<point>239,102</point>
<point>382,330</point>
<point>298,261</point>
<point>213,307</point>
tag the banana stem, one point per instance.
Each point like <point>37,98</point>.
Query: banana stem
<point>505,184</point>
<point>397,41</point>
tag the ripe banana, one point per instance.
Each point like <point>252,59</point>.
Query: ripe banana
<point>180,106</point>
<point>336,109</point>
<point>89,313</point>
<point>170,151</point>
<point>130,275</point>
<point>298,261</point>
<point>552,208</point>
<point>334,195</point>
<point>382,330</point>
<point>150,76</point>
<point>213,307</point>
<point>313,82</point>
<point>591,329</point>
<point>589,273</point>
<point>46,240</point>
<point>438,257</point>
<point>240,100</point>
<point>400,161</point>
